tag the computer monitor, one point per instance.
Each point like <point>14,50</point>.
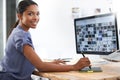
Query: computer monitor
<point>96,34</point>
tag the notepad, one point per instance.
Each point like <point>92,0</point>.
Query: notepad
<point>93,69</point>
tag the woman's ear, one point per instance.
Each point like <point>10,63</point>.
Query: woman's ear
<point>19,16</point>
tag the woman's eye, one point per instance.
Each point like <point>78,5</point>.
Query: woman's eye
<point>30,14</point>
<point>33,14</point>
<point>38,14</point>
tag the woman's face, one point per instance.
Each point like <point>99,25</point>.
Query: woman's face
<point>30,17</point>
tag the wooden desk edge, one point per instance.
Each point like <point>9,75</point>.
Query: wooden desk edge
<point>46,75</point>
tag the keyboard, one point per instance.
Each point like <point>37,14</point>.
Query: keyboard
<point>115,56</point>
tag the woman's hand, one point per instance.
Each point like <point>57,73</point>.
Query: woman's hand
<point>83,62</point>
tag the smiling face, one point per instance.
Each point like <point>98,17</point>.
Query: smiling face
<point>29,18</point>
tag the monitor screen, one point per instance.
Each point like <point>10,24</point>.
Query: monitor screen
<point>96,34</point>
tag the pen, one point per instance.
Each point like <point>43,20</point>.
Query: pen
<point>84,56</point>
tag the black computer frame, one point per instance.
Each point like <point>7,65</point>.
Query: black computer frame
<point>97,52</point>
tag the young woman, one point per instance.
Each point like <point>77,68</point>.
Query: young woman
<point>21,59</point>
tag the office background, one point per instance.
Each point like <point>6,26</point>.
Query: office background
<point>54,36</point>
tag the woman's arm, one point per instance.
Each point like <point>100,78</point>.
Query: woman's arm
<point>31,55</point>
<point>43,66</point>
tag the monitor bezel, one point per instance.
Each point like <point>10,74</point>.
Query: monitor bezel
<point>95,16</point>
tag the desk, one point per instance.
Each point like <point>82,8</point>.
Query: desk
<point>111,71</point>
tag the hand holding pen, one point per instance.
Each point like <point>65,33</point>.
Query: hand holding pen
<point>81,63</point>
<point>84,57</point>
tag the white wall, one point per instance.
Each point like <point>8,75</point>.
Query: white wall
<point>55,32</point>
<point>54,35</point>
